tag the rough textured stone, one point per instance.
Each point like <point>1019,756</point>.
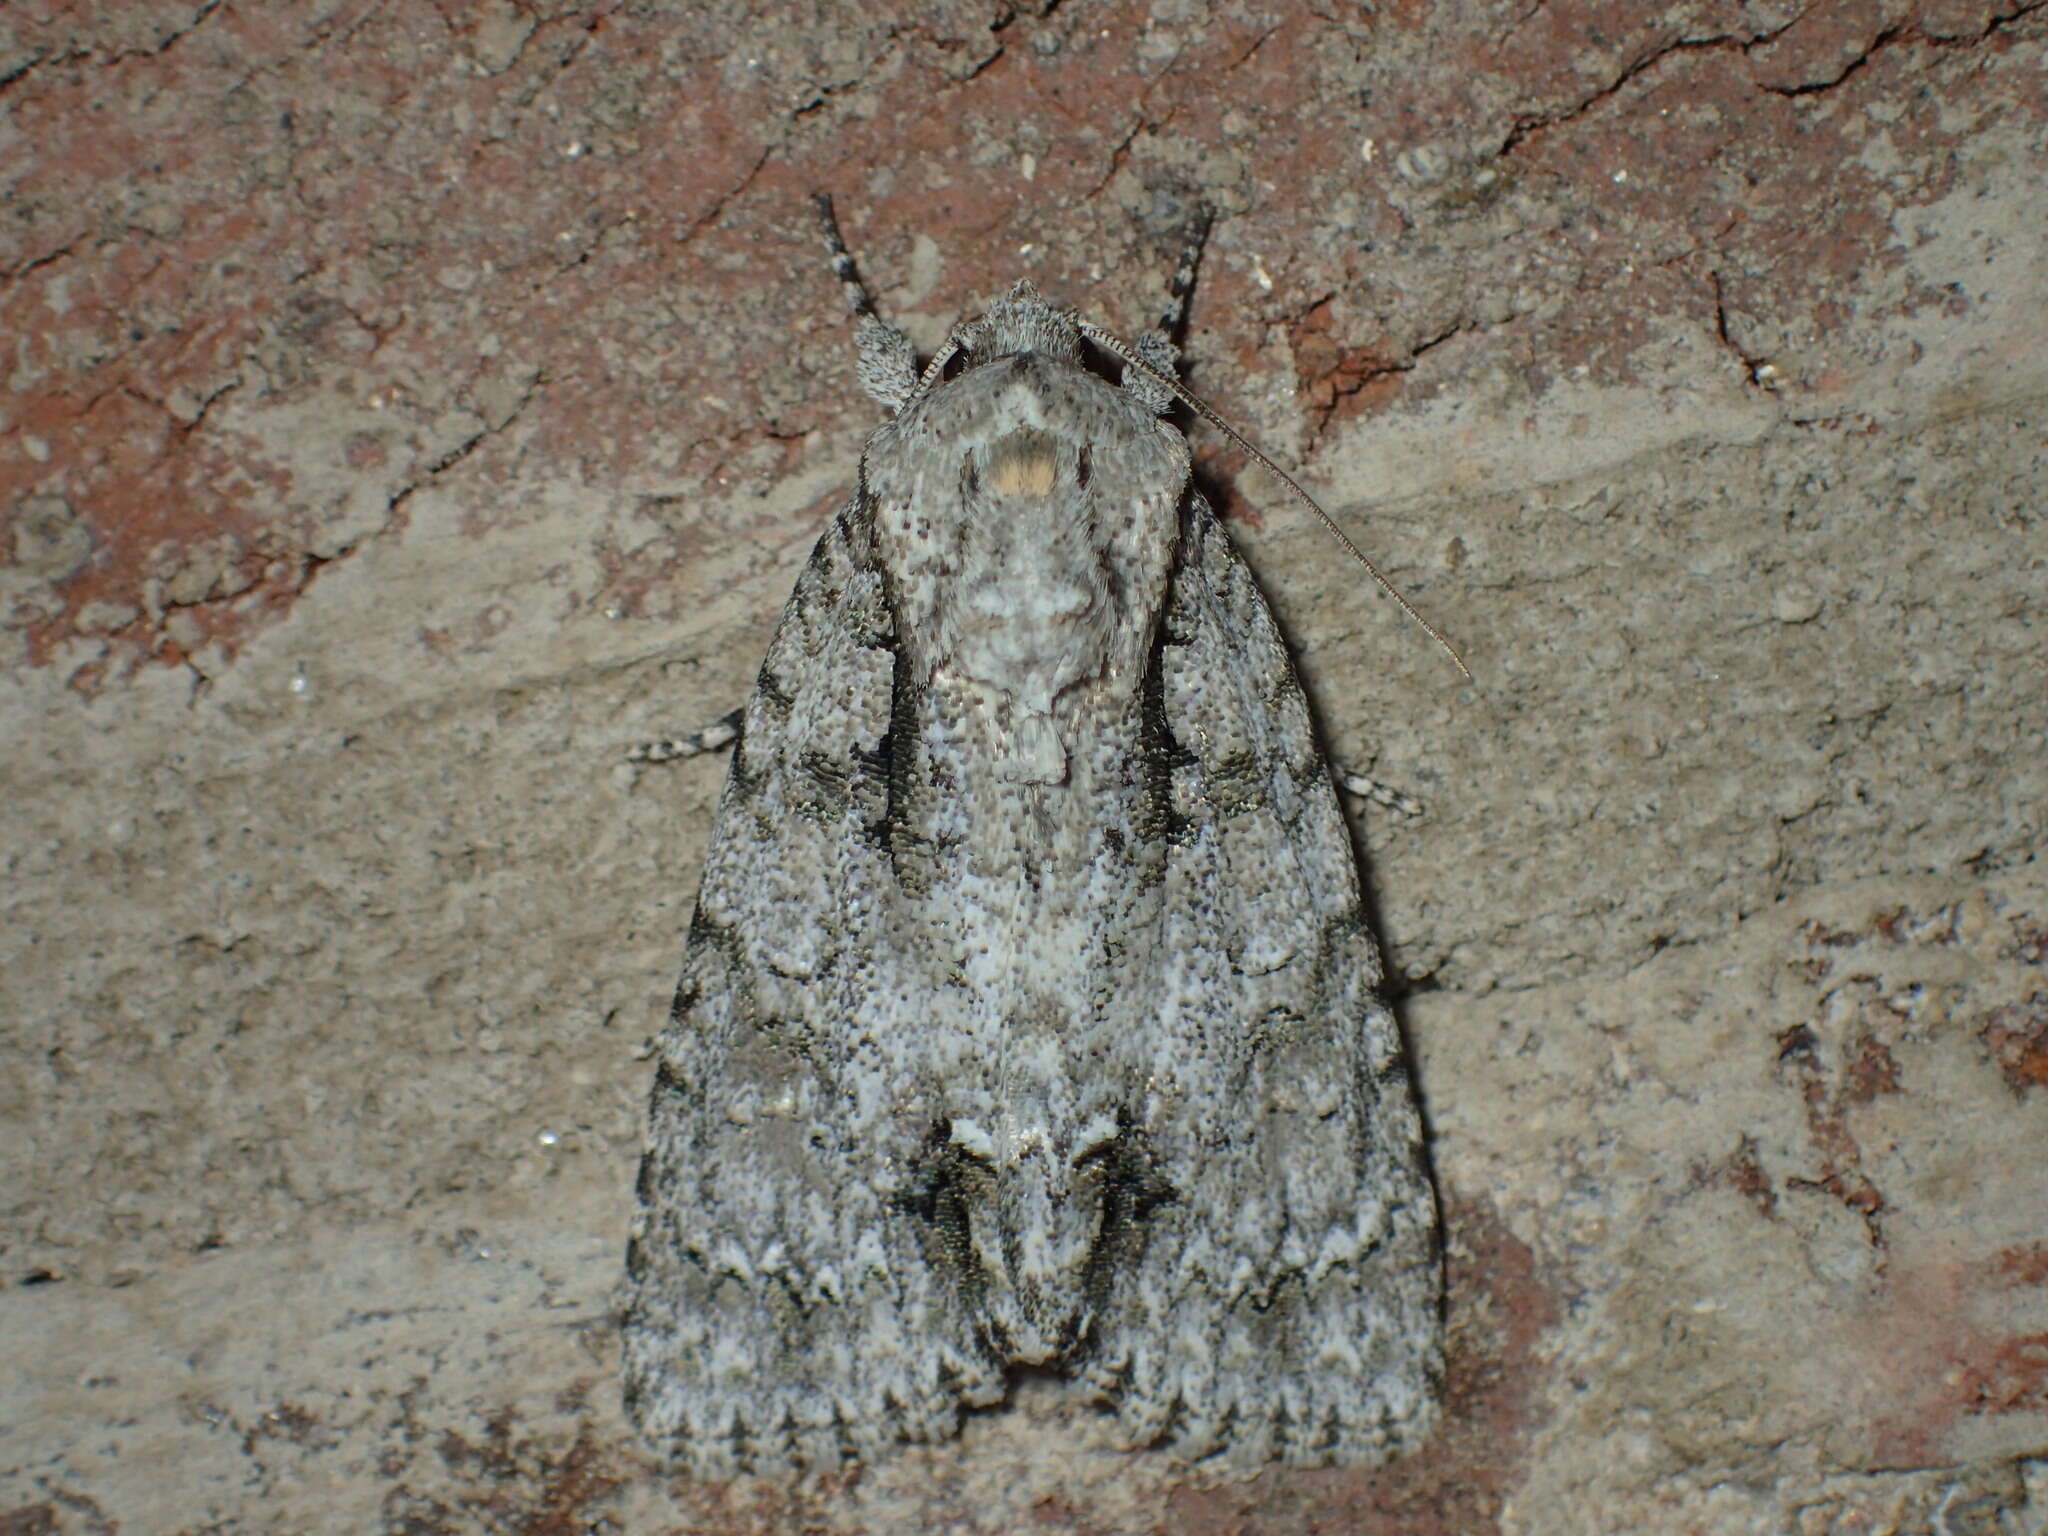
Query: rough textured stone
<point>405,408</point>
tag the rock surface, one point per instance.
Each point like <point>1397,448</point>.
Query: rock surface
<point>408,408</point>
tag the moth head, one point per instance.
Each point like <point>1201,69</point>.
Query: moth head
<point>1021,321</point>
<point>1034,1222</point>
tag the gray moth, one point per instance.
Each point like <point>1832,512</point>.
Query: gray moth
<point>1030,1018</point>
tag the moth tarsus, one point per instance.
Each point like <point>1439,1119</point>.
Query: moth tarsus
<point>715,737</point>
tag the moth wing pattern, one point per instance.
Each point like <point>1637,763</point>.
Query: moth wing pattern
<point>776,1311</point>
<point>1286,1306</point>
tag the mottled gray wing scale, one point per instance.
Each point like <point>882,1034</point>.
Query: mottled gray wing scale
<point>1266,1276</point>
<point>777,1308</point>
<point>1284,1307</point>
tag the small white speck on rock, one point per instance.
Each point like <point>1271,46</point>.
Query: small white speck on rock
<point>1795,603</point>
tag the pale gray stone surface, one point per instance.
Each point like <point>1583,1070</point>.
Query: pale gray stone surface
<point>334,928</point>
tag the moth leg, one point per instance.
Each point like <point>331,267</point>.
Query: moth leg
<point>1159,348</point>
<point>888,362</point>
<point>715,737</point>
<point>1364,786</point>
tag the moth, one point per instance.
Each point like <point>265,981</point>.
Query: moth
<point>1030,1020</point>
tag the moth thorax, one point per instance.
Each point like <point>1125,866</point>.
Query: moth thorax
<point>1026,465</point>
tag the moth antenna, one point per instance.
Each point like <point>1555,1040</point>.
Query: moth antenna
<point>1111,344</point>
<point>940,358</point>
